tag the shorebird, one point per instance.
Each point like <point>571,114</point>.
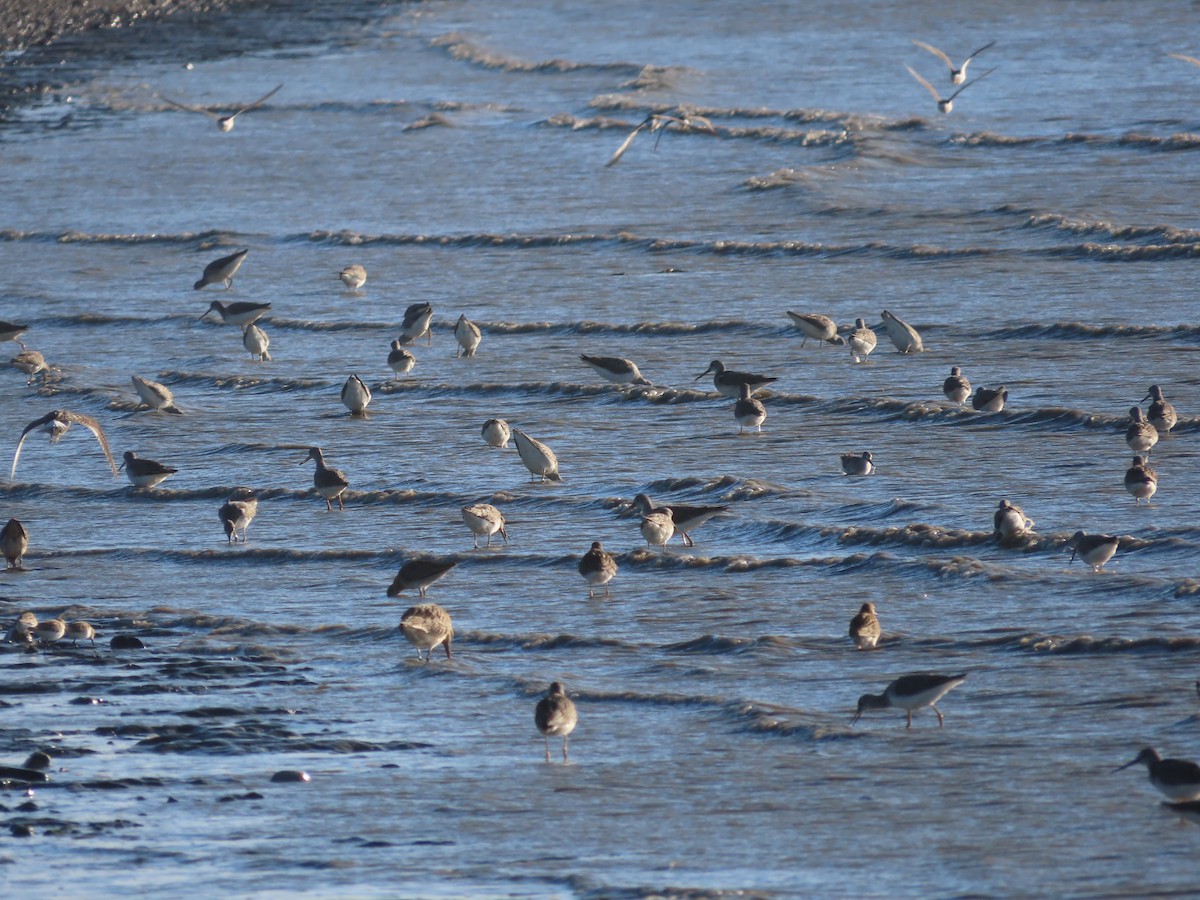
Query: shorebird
<point>989,399</point>
<point>684,518</point>
<point>864,628</point>
<point>59,422</point>
<point>224,120</point>
<point>468,336</point>
<point>221,271</point>
<point>144,473</point>
<point>80,631</point>
<point>23,629</point>
<point>660,122</point>
<point>658,527</point>
<point>330,483</point>
<point>400,360</point>
<point>820,328</point>
<point>154,395</point>
<point>416,323</point>
<point>1161,414</point>
<point>858,463</point>
<point>956,387</point>
<point>237,513</point>
<point>353,277</point>
<point>1140,435</point>
<point>425,626</point>
<point>419,574</point>
<point>496,433</point>
<point>555,716</point>
<point>537,457</point>
<point>903,335</point>
<point>14,542</point>
<point>50,631</point>
<point>1093,549</point>
<point>749,412</point>
<point>615,369</point>
<point>598,567</point>
<point>12,332</point>
<point>237,313</point>
<point>484,519</point>
<point>31,363</point>
<point>1141,481</point>
<point>256,341</point>
<point>1009,522</point>
<point>862,340</point>
<point>957,75</point>
<point>729,383</point>
<point>1176,779</point>
<point>356,395</point>
<point>910,693</point>
<point>947,104</point>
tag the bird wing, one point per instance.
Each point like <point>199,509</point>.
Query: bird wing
<point>1185,58</point>
<point>977,52</point>
<point>926,84</point>
<point>969,83</point>
<point>938,53</point>
<point>629,140</point>
<point>94,427</point>
<point>36,423</point>
<point>257,103</point>
<point>196,109</point>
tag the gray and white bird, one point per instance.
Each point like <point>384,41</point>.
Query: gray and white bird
<point>748,411</point>
<point>945,105</point>
<point>1141,436</point>
<point>684,518</point>
<point>1141,480</point>
<point>50,631</point>
<point>417,318</point>
<point>555,716</point>
<point>23,630</point>
<point>237,513</point>
<point>958,74</point>
<point>1176,779</point>
<point>14,543</point>
<point>155,395</point>
<point>144,473</point>
<point>1093,549</point>
<point>57,423</point>
<point>660,122</point>
<point>329,482</point>
<point>1161,414</point>
<point>496,433</point>
<point>989,399</point>
<point>221,271</point>
<point>901,334</point>
<point>420,574</point>
<point>861,341</point>
<point>400,360</point>
<point>80,631</point>
<point>484,520</point>
<point>598,567</point>
<point>1009,522</point>
<point>425,626</point>
<point>857,464</point>
<point>10,331</point>
<point>31,363</point>
<point>240,313</point>
<point>467,335</point>
<point>354,276</point>
<point>658,527</point>
<point>615,369</point>
<point>729,383</point>
<point>356,396</point>
<point>821,329</point>
<point>956,387</point>
<point>864,628</point>
<point>537,457</point>
<point>224,120</point>
<point>256,341</point>
<point>910,693</point>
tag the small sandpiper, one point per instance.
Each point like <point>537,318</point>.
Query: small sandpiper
<point>903,335</point>
<point>1177,779</point>
<point>57,423</point>
<point>419,574</point>
<point>221,271</point>
<point>956,387</point>
<point>1009,522</point>
<point>537,457</point>
<point>144,473</point>
<point>256,341</point>
<point>598,567</point>
<point>416,322</point>
<point>862,340</point>
<point>12,332</point>
<point>684,518</point>
<point>821,329</point>
<point>23,630</point>
<point>14,543</point>
<point>864,628</point>
<point>749,412</point>
<point>353,277</point>
<point>989,399</point>
<point>31,363</point>
<point>658,527</point>
<point>467,335</point>
<point>400,360</point>
<point>1140,435</point>
<point>858,463</point>
<point>496,433</point>
<point>237,513</point>
<point>729,383</point>
<point>958,74</point>
<point>155,395</point>
<point>484,520</point>
<point>224,120</point>
<point>1141,481</point>
<point>81,631</point>
<point>425,626</point>
<point>239,313</point>
<point>330,483</point>
<point>615,369</point>
<point>356,396</point>
<point>1093,549</point>
<point>50,631</point>
<point>910,693</point>
<point>1161,414</point>
<point>555,716</point>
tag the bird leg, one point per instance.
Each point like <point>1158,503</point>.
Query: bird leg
<point>547,740</point>
<point>941,721</point>
<point>909,719</point>
<point>564,748</point>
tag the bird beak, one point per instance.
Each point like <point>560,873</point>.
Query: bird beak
<point>1073,549</point>
<point>1126,766</point>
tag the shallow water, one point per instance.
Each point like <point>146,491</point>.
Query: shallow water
<point>1041,237</point>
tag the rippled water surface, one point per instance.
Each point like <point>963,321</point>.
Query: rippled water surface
<point>1042,237</point>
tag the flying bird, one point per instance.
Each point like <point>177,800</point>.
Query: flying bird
<point>56,424</point>
<point>224,122</point>
<point>947,104</point>
<point>957,75</point>
<point>660,122</point>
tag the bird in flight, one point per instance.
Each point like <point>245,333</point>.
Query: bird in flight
<point>947,104</point>
<point>957,75</point>
<point>224,122</point>
<point>660,122</point>
<point>58,422</point>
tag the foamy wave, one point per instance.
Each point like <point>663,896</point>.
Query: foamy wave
<point>461,48</point>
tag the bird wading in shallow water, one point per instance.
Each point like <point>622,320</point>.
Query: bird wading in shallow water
<point>221,271</point>
<point>1177,779</point>
<point>910,693</point>
<point>425,626</point>
<point>864,628</point>
<point>598,567</point>
<point>1093,549</point>
<point>555,716</point>
<point>329,482</point>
